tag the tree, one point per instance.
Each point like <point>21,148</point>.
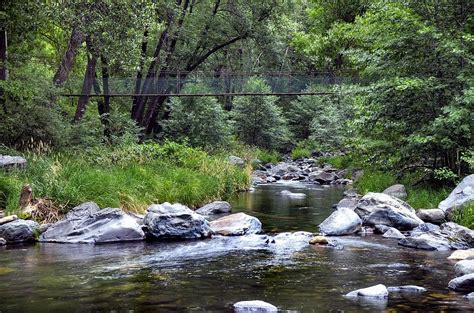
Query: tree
<point>258,120</point>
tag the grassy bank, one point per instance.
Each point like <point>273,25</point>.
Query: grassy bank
<point>130,177</point>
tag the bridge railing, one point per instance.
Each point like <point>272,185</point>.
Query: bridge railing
<point>224,83</point>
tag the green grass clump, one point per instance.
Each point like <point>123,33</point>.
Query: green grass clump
<point>465,216</point>
<point>300,152</point>
<point>267,156</point>
<point>426,197</point>
<point>130,177</point>
<point>375,181</point>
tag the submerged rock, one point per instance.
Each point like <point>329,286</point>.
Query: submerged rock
<point>378,208</point>
<point>18,231</point>
<point>377,291</point>
<point>290,194</point>
<point>254,306</point>
<point>464,267</point>
<point>406,289</point>
<point>397,191</point>
<point>462,283</point>
<point>460,197</point>
<point>236,225</point>
<point>8,161</point>
<point>434,216</point>
<point>216,207</point>
<point>175,221</point>
<point>319,240</point>
<point>393,233</point>
<point>87,223</point>
<point>341,222</point>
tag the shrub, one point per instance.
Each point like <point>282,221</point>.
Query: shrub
<point>258,120</point>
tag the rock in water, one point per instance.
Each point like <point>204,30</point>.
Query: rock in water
<point>175,221</point>
<point>18,231</point>
<point>216,207</point>
<point>341,222</point>
<point>397,191</point>
<point>319,240</point>
<point>87,223</point>
<point>2,242</point>
<point>393,233</point>
<point>378,208</point>
<point>290,194</point>
<point>462,255</point>
<point>406,289</point>
<point>7,161</point>
<point>460,197</point>
<point>256,306</point>
<point>426,241</point>
<point>322,177</point>
<point>348,202</point>
<point>464,267</point>
<point>434,216</point>
<point>236,225</point>
<point>463,283</point>
<point>377,291</point>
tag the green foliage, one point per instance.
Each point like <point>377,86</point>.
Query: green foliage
<point>200,121</point>
<point>426,197</point>
<point>374,181</point>
<point>258,120</point>
<point>465,216</point>
<point>267,156</point>
<point>131,177</point>
<point>302,150</point>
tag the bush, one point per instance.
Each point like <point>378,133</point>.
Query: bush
<point>267,156</point>
<point>258,120</point>
<point>201,121</point>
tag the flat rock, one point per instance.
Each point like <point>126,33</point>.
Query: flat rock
<point>377,291</point>
<point>348,203</point>
<point>462,283</point>
<point>426,241</point>
<point>460,197</point>
<point>341,222</point>
<point>290,194</point>
<point>398,191</point>
<point>8,219</point>
<point>464,267</point>
<point>254,306</point>
<point>18,231</point>
<point>87,223</point>
<point>175,221</point>
<point>462,255</point>
<point>434,216</point>
<point>381,209</point>
<point>8,161</point>
<point>216,207</point>
<point>393,233</point>
<point>406,289</point>
<point>236,225</point>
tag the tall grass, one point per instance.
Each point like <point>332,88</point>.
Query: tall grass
<point>129,177</point>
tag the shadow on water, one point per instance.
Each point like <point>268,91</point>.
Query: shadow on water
<point>210,275</point>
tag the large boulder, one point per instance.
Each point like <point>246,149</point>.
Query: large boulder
<point>434,216</point>
<point>175,221</point>
<point>398,191</point>
<point>426,241</point>
<point>381,209</point>
<point>8,161</point>
<point>18,231</point>
<point>458,233</point>
<point>462,283</point>
<point>87,223</point>
<point>462,255</point>
<point>464,267</point>
<point>322,177</point>
<point>256,306</point>
<point>341,222</point>
<point>236,225</point>
<point>216,207</point>
<point>460,197</point>
<point>377,291</point>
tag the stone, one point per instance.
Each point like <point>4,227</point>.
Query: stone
<point>18,231</point>
<point>319,240</point>
<point>87,223</point>
<point>271,179</point>
<point>2,242</point>
<point>463,283</point>
<point>356,174</point>
<point>258,180</point>
<point>216,207</point>
<point>175,221</point>
<point>235,160</point>
<point>426,241</point>
<point>377,291</point>
<point>406,289</point>
<point>256,306</point>
<point>397,191</point>
<point>393,233</point>
<point>322,177</point>
<point>434,216</point>
<point>462,255</point>
<point>290,194</point>
<point>460,197</point>
<point>341,222</point>
<point>8,219</point>
<point>236,225</point>
<point>470,296</point>
<point>381,229</point>
<point>348,203</point>
<point>379,208</point>
<point>8,162</point>
<point>458,233</point>
<point>464,267</point>
<point>281,169</point>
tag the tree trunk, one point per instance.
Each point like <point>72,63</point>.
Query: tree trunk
<point>69,56</point>
<point>86,85</point>
<point>3,54</point>
<point>138,81</point>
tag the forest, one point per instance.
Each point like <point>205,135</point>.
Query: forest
<point>397,95</point>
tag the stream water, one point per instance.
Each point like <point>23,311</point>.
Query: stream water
<point>210,275</point>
